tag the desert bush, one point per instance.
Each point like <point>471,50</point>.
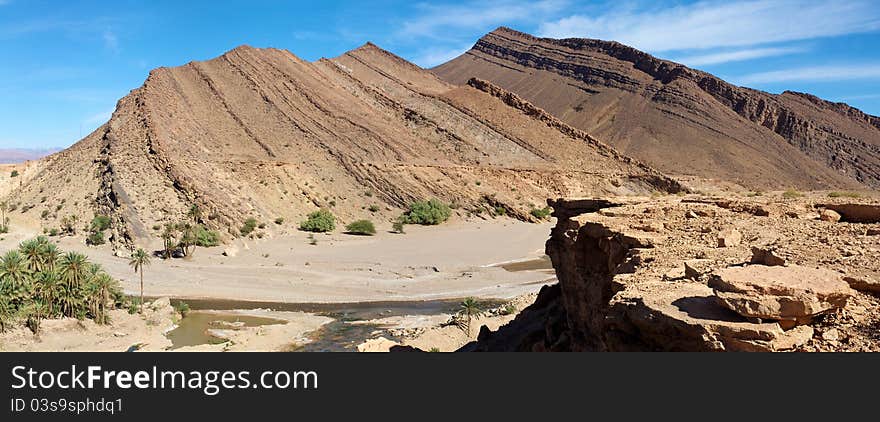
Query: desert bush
<point>95,239</point>
<point>362,227</point>
<point>319,221</point>
<point>14,173</point>
<point>541,213</point>
<point>500,211</point>
<point>398,225</point>
<point>53,232</point>
<point>100,223</point>
<point>429,212</point>
<point>279,221</point>
<point>791,194</point>
<point>249,225</point>
<point>206,238</point>
<point>374,208</point>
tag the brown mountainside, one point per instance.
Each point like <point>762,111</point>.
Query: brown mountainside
<point>677,119</point>
<point>261,133</point>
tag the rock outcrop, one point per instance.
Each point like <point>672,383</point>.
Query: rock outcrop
<point>677,119</point>
<point>625,290</point>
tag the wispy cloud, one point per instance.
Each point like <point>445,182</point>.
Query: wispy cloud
<point>435,56</point>
<point>737,55</point>
<point>813,74</point>
<point>111,41</point>
<point>437,20</point>
<point>713,24</point>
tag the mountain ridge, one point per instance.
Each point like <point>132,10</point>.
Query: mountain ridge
<point>621,81</point>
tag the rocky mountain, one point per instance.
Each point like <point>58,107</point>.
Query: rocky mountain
<point>261,133</point>
<point>680,120</point>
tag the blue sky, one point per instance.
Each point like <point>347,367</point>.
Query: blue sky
<point>64,64</point>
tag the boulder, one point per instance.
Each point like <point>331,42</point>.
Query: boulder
<point>685,316</point>
<point>829,215</point>
<point>872,232</point>
<point>695,268</point>
<point>729,238</point>
<point>856,213</point>
<point>380,344</point>
<point>230,251</point>
<point>864,283</point>
<point>792,295</point>
<point>766,256</point>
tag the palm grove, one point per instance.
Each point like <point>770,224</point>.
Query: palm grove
<point>38,281</point>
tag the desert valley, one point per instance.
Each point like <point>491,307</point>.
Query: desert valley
<point>532,194</point>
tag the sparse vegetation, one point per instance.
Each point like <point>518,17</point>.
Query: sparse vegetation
<point>429,212</point>
<point>541,213</point>
<point>790,194</point>
<point>38,281</point>
<point>468,310</point>
<point>398,225</point>
<point>100,223</point>
<point>279,221</point>
<point>374,208</point>
<point>140,259</point>
<point>14,173</point>
<point>361,227</point>
<point>500,211</point>
<point>508,309</point>
<point>182,308</point>
<point>206,238</point>
<point>319,221</point>
<point>249,225</point>
<point>95,239</point>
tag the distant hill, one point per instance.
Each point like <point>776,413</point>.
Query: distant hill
<point>677,119</point>
<point>18,155</point>
<point>260,133</point>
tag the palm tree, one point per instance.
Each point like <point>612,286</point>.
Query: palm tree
<point>31,251</point>
<point>7,313</point>
<point>195,213</point>
<point>73,268</point>
<point>15,278</point>
<point>47,288</point>
<point>100,289</point>
<point>139,259</point>
<point>169,236</point>
<point>470,309</point>
<point>187,238</point>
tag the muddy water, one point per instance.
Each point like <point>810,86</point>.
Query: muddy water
<point>541,264</point>
<point>193,328</point>
<point>336,336</point>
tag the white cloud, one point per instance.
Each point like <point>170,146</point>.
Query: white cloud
<point>111,41</point>
<point>441,20</point>
<point>433,57</point>
<point>813,74</point>
<point>737,55</point>
<point>713,24</point>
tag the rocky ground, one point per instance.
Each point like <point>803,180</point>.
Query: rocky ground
<point>749,272</point>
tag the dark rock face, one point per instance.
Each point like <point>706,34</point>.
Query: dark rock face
<point>678,119</point>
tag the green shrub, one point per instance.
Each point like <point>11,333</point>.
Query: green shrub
<point>100,223</point>
<point>541,213</point>
<point>279,221</point>
<point>374,208</point>
<point>53,232</point>
<point>319,221</point>
<point>363,227</point>
<point>500,211</point>
<point>427,212</point>
<point>206,238</point>
<point>14,173</point>
<point>182,308</point>
<point>95,239</point>
<point>791,194</point>
<point>398,225</point>
<point>44,214</point>
<point>249,225</point>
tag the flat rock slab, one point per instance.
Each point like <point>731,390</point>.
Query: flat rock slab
<point>685,316</point>
<point>791,295</point>
<point>856,213</point>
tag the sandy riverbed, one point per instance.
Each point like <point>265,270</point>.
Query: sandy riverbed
<point>427,263</point>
